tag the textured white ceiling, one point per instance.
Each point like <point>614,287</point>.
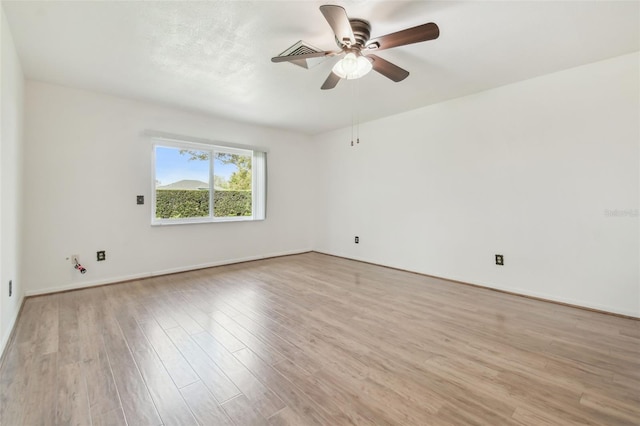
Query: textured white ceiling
<point>214,57</point>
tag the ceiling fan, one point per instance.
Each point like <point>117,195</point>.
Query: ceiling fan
<point>352,36</point>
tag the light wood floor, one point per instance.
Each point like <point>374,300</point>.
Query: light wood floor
<point>315,340</point>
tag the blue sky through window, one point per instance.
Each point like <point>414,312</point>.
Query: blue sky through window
<point>171,166</point>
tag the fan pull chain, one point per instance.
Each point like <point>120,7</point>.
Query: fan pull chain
<point>352,112</point>
<point>357,111</point>
<point>352,123</point>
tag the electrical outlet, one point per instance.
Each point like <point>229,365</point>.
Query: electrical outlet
<point>10,287</point>
<point>101,255</point>
<point>357,240</point>
<point>140,199</point>
<point>499,259</point>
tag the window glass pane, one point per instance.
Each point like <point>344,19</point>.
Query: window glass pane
<point>182,183</point>
<point>197,183</point>
<point>232,182</point>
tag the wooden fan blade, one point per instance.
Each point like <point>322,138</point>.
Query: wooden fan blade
<point>388,69</point>
<point>417,34</point>
<point>331,81</point>
<point>303,56</point>
<point>337,18</point>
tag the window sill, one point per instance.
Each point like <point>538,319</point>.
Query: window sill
<point>171,222</point>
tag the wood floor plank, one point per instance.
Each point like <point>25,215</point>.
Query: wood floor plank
<point>135,399</point>
<point>338,403</point>
<point>204,406</point>
<point>242,413</point>
<point>181,316</point>
<point>41,392</point>
<point>69,330</point>
<point>48,327</point>
<point>27,327</point>
<point>527,417</point>
<point>131,331</point>
<point>15,378</point>
<point>166,397</point>
<point>610,409</point>
<point>261,397</point>
<point>288,417</point>
<point>220,386</point>
<point>155,307</point>
<point>113,417</point>
<point>284,346</point>
<point>260,347</point>
<point>315,340</point>
<point>215,329</point>
<point>171,406</point>
<point>101,387</point>
<point>73,401</point>
<point>291,395</point>
<point>177,366</point>
<point>202,298</point>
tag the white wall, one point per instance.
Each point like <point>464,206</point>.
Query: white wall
<point>527,170</point>
<point>11,123</point>
<point>87,159</point>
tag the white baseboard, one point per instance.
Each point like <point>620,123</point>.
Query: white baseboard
<point>512,290</point>
<point>7,334</point>
<point>563,300</point>
<point>113,280</point>
<point>132,277</point>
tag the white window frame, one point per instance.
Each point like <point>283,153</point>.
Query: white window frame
<point>258,183</point>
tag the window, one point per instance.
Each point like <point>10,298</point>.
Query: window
<point>194,183</point>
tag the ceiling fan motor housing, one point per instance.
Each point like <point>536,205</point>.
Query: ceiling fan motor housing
<point>361,33</point>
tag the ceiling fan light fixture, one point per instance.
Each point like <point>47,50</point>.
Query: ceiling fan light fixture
<point>352,35</point>
<point>352,66</point>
